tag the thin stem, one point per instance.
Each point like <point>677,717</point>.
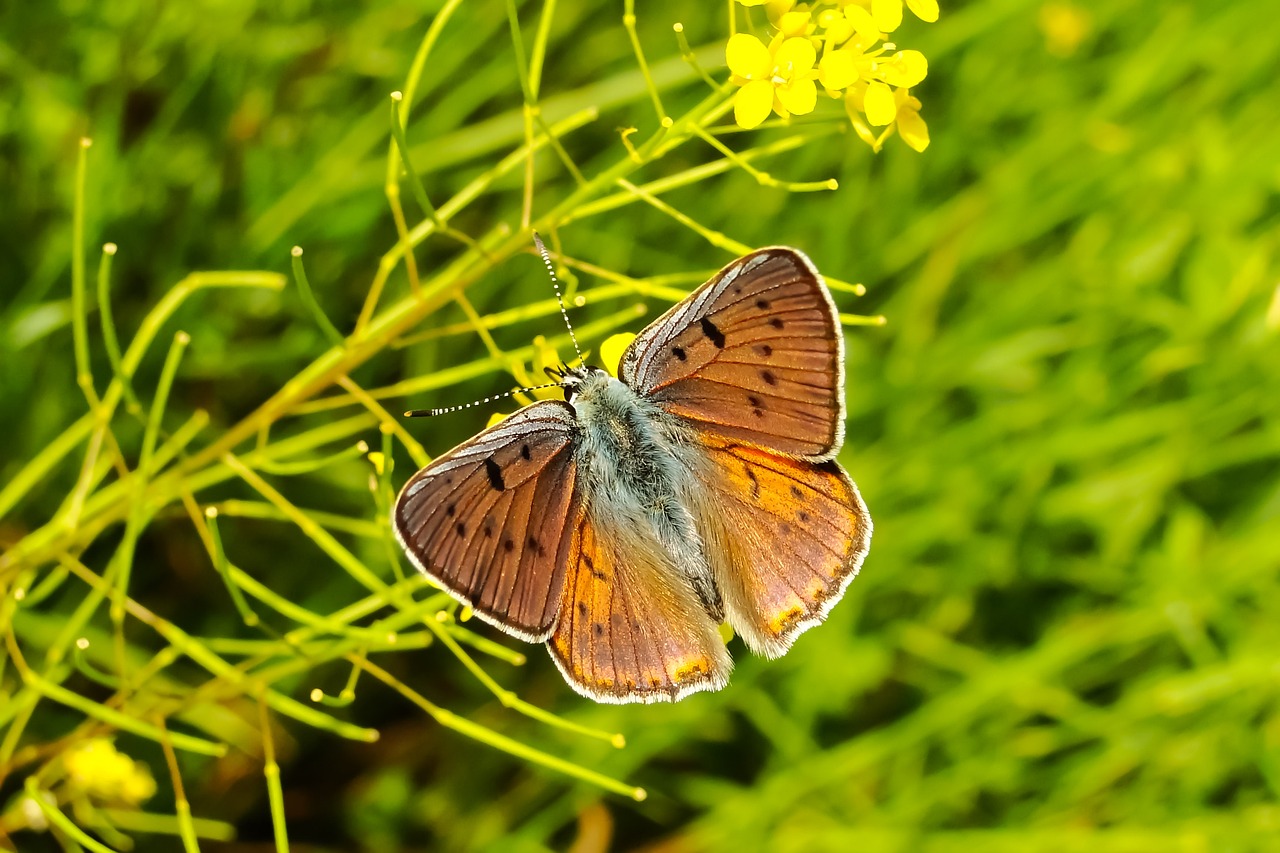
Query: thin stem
<point>123,559</point>
<point>100,712</point>
<point>629,22</point>
<point>764,178</point>
<point>182,807</point>
<point>109,328</point>
<point>271,771</point>
<point>463,726</point>
<point>79,318</point>
<point>58,819</point>
<point>247,615</point>
<point>387,422</point>
<point>686,53</point>
<point>317,313</point>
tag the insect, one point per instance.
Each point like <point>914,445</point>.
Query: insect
<point>623,525</point>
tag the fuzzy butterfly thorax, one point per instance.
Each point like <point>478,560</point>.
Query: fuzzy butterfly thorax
<point>622,525</point>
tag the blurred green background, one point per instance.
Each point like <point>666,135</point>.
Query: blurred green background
<point>1068,431</point>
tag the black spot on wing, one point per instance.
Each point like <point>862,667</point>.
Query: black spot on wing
<point>768,377</point>
<point>591,567</point>
<point>777,323</point>
<point>524,452</point>
<point>713,333</point>
<point>679,353</point>
<point>495,474</point>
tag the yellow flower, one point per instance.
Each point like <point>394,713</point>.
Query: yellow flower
<point>911,127</point>
<point>777,78</point>
<point>888,13</point>
<point>888,108</point>
<point>99,770</point>
<point>904,69</point>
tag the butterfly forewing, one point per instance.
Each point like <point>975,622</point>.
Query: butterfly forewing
<point>490,519</point>
<point>631,630</point>
<point>784,537</point>
<point>753,356</point>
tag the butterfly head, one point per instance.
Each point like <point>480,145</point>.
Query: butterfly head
<point>572,379</point>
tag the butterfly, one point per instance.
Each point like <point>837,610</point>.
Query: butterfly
<point>622,525</point>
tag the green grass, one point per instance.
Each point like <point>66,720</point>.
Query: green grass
<point>1067,431</point>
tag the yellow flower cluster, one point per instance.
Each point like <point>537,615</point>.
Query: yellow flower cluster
<point>98,769</point>
<point>842,46</point>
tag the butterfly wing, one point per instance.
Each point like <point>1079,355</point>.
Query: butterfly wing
<point>489,520</point>
<point>753,356</point>
<point>784,537</point>
<point>630,629</point>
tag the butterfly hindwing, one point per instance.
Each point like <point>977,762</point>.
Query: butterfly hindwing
<point>753,356</point>
<point>630,630</point>
<point>489,520</point>
<point>784,538</point>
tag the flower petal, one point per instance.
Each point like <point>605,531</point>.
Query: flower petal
<point>794,23</point>
<point>795,57</point>
<point>838,30</point>
<point>837,70</point>
<point>925,10</point>
<point>853,100</point>
<point>612,349</point>
<point>913,130</point>
<point>748,57</point>
<point>906,69</point>
<point>864,133</point>
<point>752,103</point>
<point>800,97</point>
<point>863,23</point>
<point>887,13</point>
<point>879,104</point>
<point>780,108</point>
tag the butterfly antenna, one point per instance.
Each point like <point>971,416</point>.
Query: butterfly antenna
<point>431,413</point>
<point>555,282</point>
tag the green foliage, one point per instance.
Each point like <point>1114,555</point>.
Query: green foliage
<point>1067,430</point>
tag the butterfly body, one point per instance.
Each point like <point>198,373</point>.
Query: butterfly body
<point>642,476</point>
<point>623,525</point>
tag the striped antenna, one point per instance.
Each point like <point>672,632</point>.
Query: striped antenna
<point>431,413</point>
<point>555,282</point>
<point>546,259</point>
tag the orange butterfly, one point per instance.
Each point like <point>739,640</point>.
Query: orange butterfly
<point>622,526</point>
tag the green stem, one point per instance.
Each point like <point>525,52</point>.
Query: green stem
<point>308,298</point>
